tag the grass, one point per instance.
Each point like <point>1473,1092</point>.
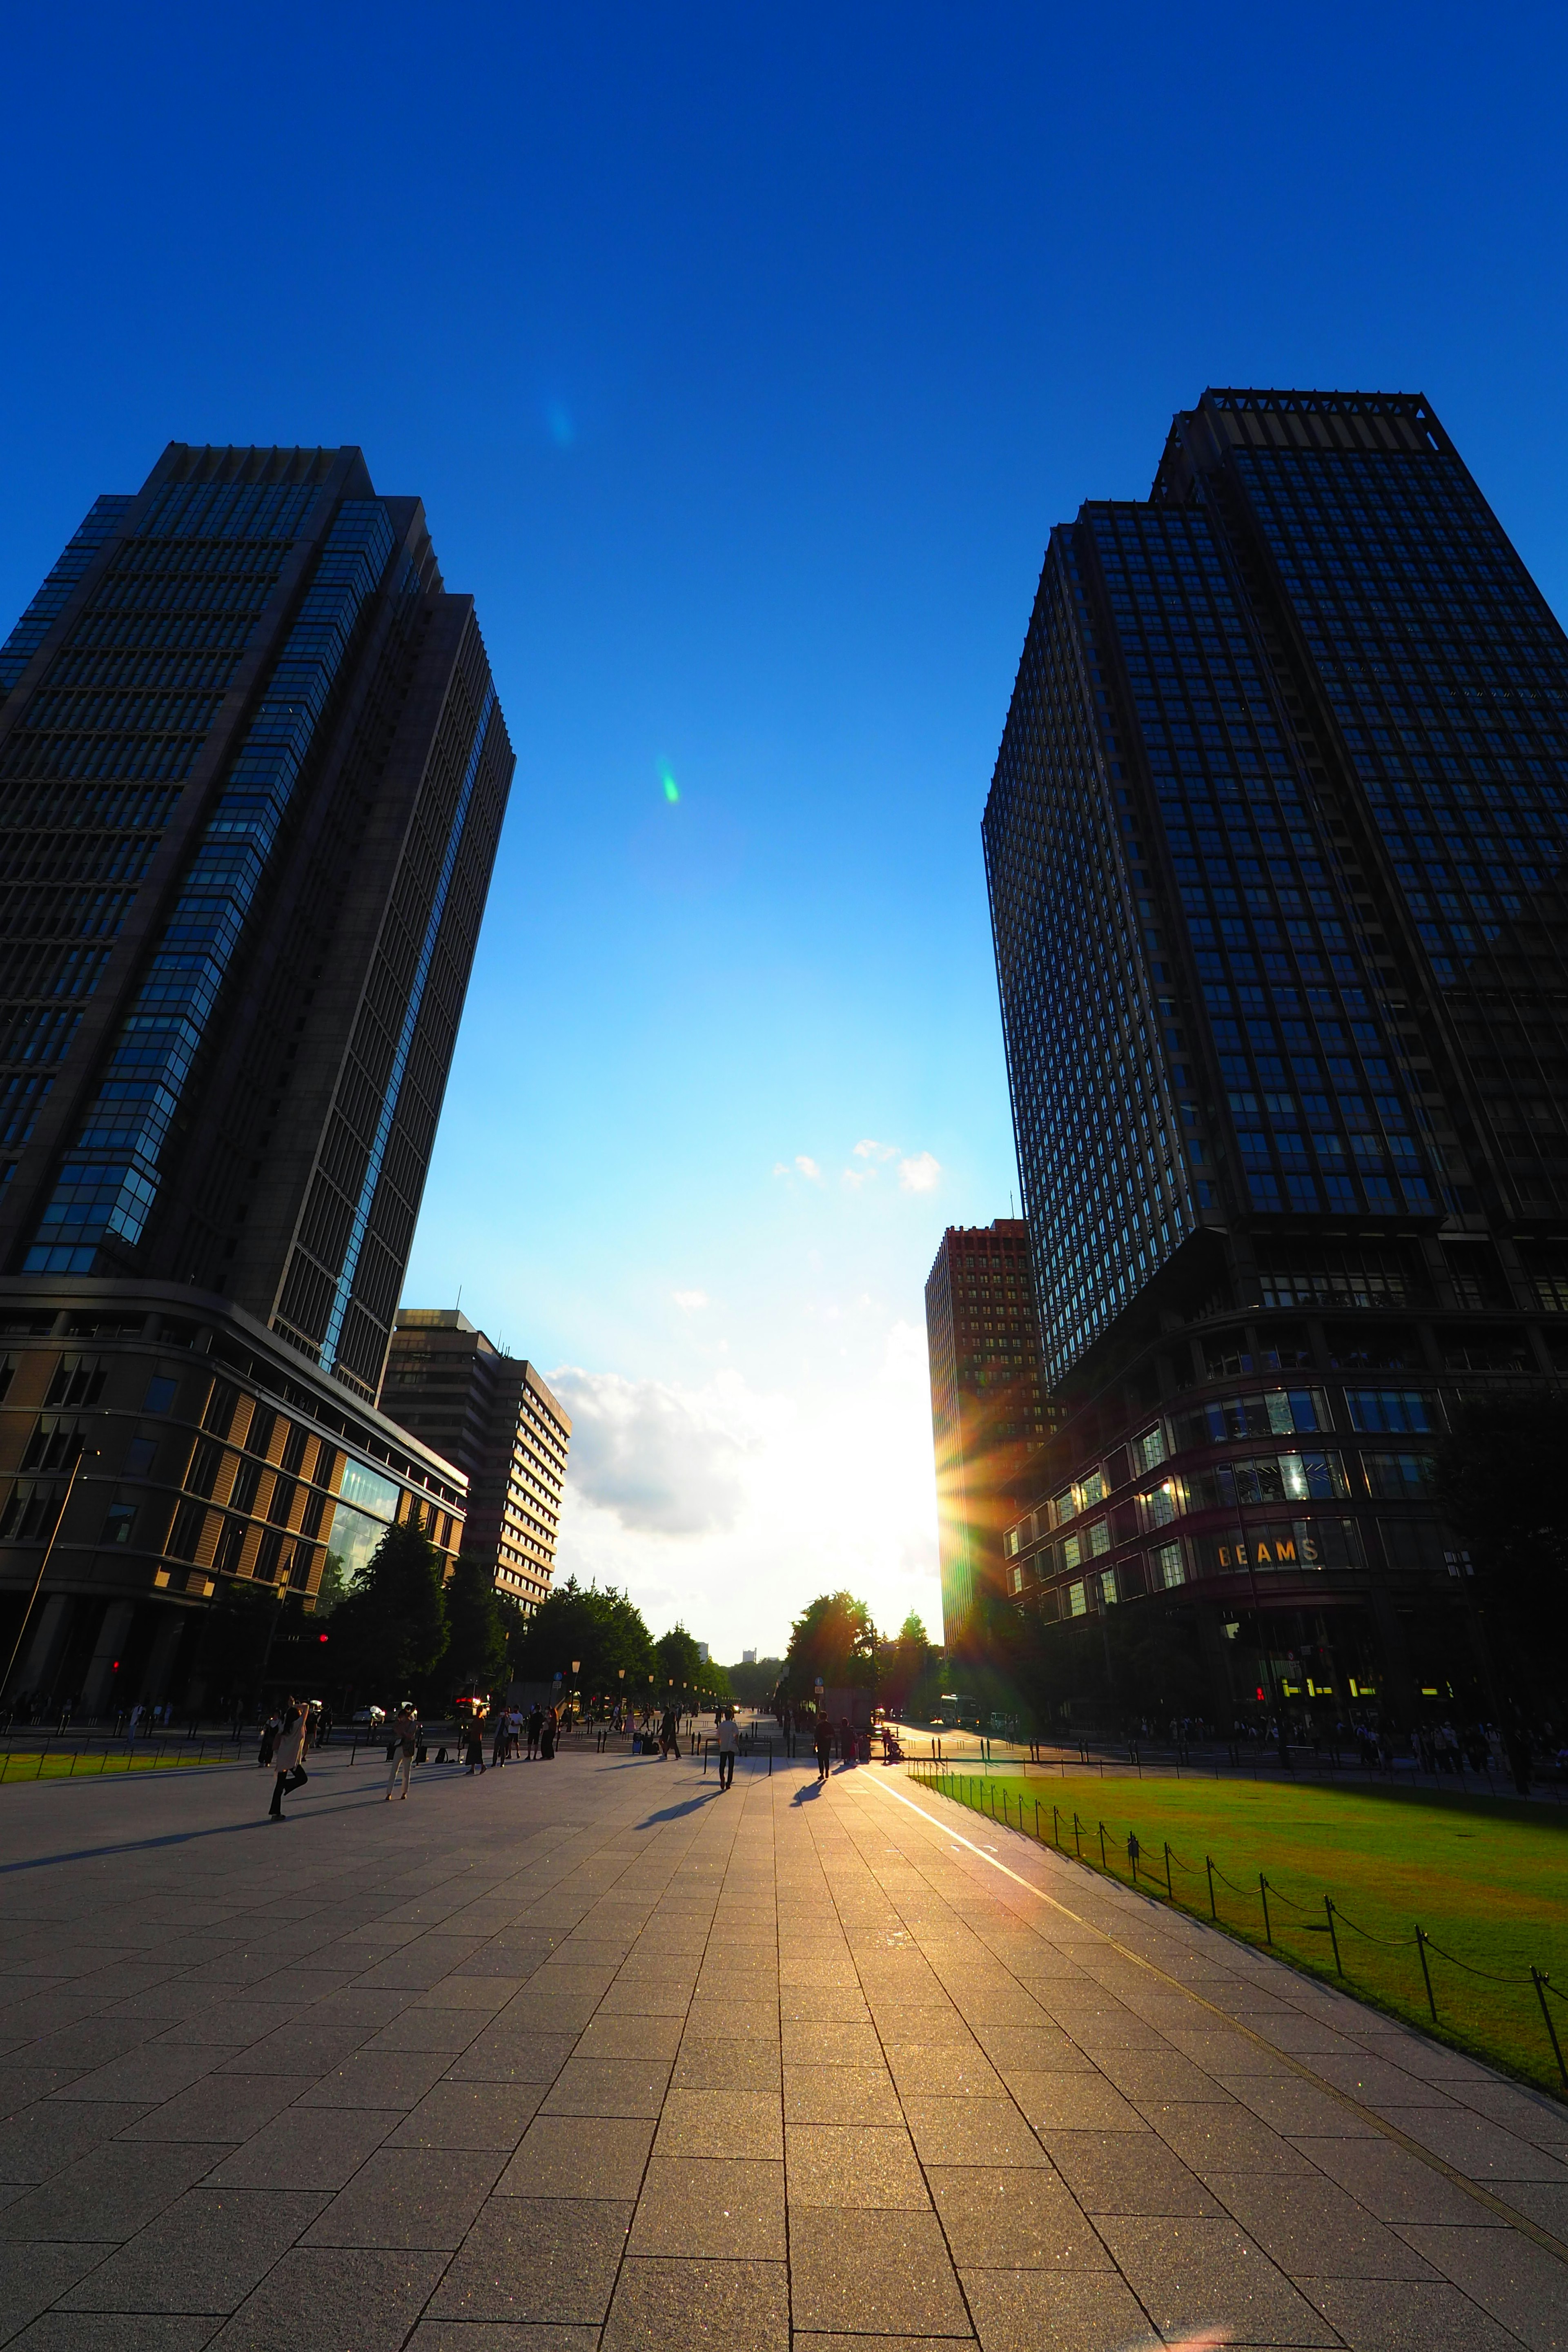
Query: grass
<point>1485,1879</point>
<point>91,1763</point>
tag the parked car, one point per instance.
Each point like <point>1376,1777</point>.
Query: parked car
<point>370,1715</point>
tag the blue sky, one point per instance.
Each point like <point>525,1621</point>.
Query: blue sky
<point>744,359</point>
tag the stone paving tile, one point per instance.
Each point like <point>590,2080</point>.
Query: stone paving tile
<point>328,2299</point>
<point>1026,2311</point>
<point>205,2254</point>
<point>107,2195</point>
<point>1192,2274</point>
<point>534,2258</point>
<point>124,2331</point>
<point>43,2138</point>
<point>609,2087</point>
<point>839,2166</point>
<point>475,2075</point>
<point>1414,2315</point>
<point>1390,2184</point>
<point>499,2336</point>
<point>1126,2173</point>
<point>226,2108</point>
<point>848,2270</point>
<point>996,2218</point>
<point>1517,2282</point>
<point>712,2306</point>
<point>721,2124</point>
<point>468,2115</point>
<point>556,2156</point>
<point>305,2147</point>
<point>399,2198</point>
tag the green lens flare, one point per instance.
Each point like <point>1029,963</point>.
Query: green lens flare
<point>671,789</point>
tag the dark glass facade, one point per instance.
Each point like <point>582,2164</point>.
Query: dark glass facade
<point>252,777</point>
<point>1272,847</point>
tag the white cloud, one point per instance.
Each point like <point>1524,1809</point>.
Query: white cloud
<point>653,1459</point>
<point>800,1166</point>
<point>920,1174</point>
<point>690,1302</point>
<point>730,1506</point>
<point>868,1149</point>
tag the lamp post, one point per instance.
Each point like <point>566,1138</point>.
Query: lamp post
<point>576,1670</point>
<point>81,1454</point>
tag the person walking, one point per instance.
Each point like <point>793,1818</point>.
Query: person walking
<point>288,1755</point>
<point>269,1739</point>
<point>405,1748</point>
<point>547,1736</point>
<point>668,1735</point>
<point>535,1730</point>
<point>823,1743</point>
<point>498,1746</point>
<point>474,1743</point>
<point>729,1740</point>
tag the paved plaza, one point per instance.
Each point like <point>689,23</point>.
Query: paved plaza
<point>585,2053</point>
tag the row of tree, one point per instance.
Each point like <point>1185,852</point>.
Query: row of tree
<point>399,1632</point>
<point>833,1641</point>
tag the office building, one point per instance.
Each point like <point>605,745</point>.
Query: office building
<point>987,1405</point>
<point>494,1416</point>
<point>1271,845</point>
<point>252,776</point>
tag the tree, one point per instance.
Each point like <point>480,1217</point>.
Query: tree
<point>389,1636</point>
<point>602,1631</point>
<point>240,1622</point>
<point>476,1657</point>
<point>835,1640</point>
<point>754,1685</point>
<point>678,1659</point>
<point>1498,1480</point>
<point>905,1668</point>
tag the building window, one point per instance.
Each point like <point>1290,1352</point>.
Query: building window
<point>1396,1478</point>
<point>1390,1408</point>
<point>1165,1568</point>
<point>118,1523</point>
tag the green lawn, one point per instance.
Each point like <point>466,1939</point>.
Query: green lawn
<point>1487,1879</point>
<point>87,1764</point>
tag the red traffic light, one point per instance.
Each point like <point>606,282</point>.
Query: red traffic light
<point>320,1637</point>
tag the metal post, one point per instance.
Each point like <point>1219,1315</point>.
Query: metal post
<point>1333,1933</point>
<point>1540,1980</point>
<point>1421,1947</point>
<point>1170,1894</point>
<point>1103,1863</point>
<point>1263,1889</point>
<point>81,1454</point>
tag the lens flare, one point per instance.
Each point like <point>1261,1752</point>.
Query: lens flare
<point>671,789</point>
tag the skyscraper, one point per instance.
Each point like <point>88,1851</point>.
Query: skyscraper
<point>987,1409</point>
<point>1272,847</point>
<point>252,776</point>
<point>495,1416</point>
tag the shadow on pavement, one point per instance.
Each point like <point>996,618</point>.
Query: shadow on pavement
<point>674,1812</point>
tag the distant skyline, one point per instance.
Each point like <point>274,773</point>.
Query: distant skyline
<point>744,366</point>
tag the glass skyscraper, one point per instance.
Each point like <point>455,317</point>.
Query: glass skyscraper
<point>252,777</point>
<point>1272,847</point>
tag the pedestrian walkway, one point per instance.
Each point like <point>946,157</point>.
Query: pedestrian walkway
<point>588,2052</point>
